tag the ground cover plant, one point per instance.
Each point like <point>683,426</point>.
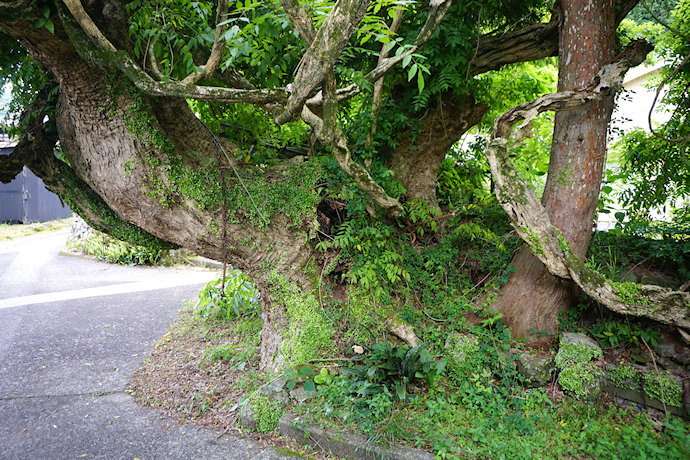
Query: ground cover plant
<point>457,395</point>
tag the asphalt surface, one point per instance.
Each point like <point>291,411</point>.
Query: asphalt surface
<point>72,332</point>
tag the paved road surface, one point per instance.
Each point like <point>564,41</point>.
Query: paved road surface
<point>72,331</point>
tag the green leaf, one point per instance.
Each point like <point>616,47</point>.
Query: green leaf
<point>420,81</point>
<point>46,12</point>
<point>406,60</point>
<point>309,385</point>
<point>412,72</point>
<point>50,26</point>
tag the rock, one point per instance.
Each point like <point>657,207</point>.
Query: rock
<point>670,365</point>
<point>462,350</point>
<point>640,356</point>
<point>630,277</point>
<point>578,338</point>
<point>578,375</point>
<point>247,418</point>
<point>300,395</point>
<point>80,229</point>
<point>658,280</point>
<point>272,395</point>
<point>536,369</point>
<point>665,349</point>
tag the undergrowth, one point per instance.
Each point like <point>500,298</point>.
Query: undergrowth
<point>108,249</point>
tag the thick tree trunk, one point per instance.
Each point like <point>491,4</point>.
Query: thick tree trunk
<point>533,298</point>
<point>135,152</point>
<point>416,162</point>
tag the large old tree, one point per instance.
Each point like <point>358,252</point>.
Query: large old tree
<point>141,165</point>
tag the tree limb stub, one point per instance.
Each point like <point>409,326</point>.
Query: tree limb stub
<point>532,223</point>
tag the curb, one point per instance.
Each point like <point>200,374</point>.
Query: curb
<point>344,445</point>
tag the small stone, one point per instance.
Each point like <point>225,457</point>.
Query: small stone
<point>670,365</point>
<point>300,395</point>
<point>665,349</point>
<point>577,338</point>
<point>640,356</point>
<point>630,277</point>
<point>247,417</point>
<point>536,369</point>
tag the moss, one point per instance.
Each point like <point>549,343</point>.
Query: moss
<point>86,203</point>
<point>672,392</point>
<point>570,354</point>
<point>630,293</point>
<point>267,413</point>
<point>533,238</point>
<point>625,377</point>
<point>463,351</point>
<point>578,375</point>
<point>582,380</point>
<point>308,331</point>
<point>254,198</point>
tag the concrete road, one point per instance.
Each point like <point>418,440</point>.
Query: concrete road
<point>72,331</point>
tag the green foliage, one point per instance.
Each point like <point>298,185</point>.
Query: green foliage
<point>309,332</point>
<point>267,413</point>
<point>656,170</point>
<point>614,333</point>
<point>664,247</point>
<point>23,78</point>
<point>173,31</point>
<point>240,297</point>
<point>111,250</point>
<point>663,387</point>
<point>395,368</point>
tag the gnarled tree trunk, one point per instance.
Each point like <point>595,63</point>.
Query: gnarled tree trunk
<point>417,161</point>
<point>137,154</point>
<point>533,298</point>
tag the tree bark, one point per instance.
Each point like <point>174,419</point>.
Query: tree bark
<point>124,145</point>
<point>533,298</point>
<point>416,161</point>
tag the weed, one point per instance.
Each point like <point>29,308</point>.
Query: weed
<point>240,297</point>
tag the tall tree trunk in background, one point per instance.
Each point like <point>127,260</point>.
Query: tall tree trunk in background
<point>533,298</point>
<point>416,161</point>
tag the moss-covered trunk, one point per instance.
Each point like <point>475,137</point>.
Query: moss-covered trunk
<point>151,163</point>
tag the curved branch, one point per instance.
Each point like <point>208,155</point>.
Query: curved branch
<point>322,53</point>
<point>216,51</point>
<point>532,223</point>
<point>328,132</point>
<point>90,29</point>
<point>121,61</point>
<point>436,14</point>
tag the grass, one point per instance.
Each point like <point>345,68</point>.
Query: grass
<point>205,368</point>
<point>12,231</point>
